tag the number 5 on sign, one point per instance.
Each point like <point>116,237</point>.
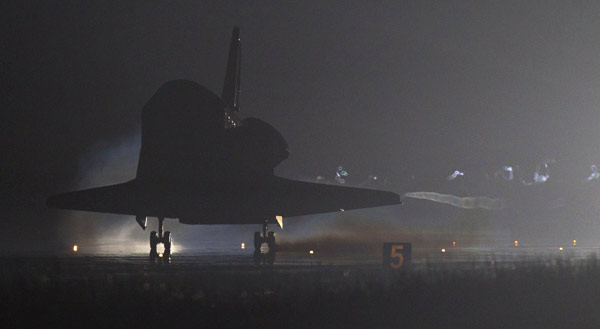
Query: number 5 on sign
<point>396,255</point>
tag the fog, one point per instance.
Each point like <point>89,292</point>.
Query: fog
<point>503,213</point>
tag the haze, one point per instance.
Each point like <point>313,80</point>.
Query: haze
<point>401,90</point>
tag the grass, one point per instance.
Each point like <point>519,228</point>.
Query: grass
<point>549,293</point>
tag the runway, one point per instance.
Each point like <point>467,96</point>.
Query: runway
<point>227,289</point>
<point>290,261</point>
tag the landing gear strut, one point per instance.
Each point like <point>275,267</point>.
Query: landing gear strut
<point>267,237</point>
<point>165,239</point>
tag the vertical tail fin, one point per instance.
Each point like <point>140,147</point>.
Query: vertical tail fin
<point>231,87</point>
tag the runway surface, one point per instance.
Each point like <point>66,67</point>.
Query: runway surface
<point>462,288</point>
<point>243,260</point>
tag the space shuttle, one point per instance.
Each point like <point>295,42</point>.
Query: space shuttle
<point>201,164</point>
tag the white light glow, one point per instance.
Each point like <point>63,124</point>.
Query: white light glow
<point>455,174</point>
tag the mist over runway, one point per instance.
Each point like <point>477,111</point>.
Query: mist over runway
<point>512,209</point>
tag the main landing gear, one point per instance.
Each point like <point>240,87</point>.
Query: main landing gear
<point>267,237</point>
<point>165,239</point>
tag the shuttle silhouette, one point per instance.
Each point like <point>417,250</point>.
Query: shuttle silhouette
<point>201,164</point>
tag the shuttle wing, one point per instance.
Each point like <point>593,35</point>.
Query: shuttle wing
<point>303,198</point>
<point>218,202</point>
<point>117,199</point>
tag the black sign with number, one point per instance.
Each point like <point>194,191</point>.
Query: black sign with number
<point>397,255</point>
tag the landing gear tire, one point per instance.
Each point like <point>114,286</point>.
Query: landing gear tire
<point>272,248</point>
<point>271,241</point>
<point>167,243</point>
<point>157,238</point>
<point>257,256</point>
<point>258,240</point>
<point>153,242</point>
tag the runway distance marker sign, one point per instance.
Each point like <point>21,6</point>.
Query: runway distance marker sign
<point>397,255</point>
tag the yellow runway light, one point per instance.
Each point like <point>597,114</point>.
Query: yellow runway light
<point>75,248</point>
<point>243,245</point>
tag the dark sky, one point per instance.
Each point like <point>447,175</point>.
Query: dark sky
<point>398,89</point>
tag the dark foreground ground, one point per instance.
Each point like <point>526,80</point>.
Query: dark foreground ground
<point>125,292</point>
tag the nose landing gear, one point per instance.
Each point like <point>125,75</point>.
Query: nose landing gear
<point>267,237</point>
<point>165,239</point>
